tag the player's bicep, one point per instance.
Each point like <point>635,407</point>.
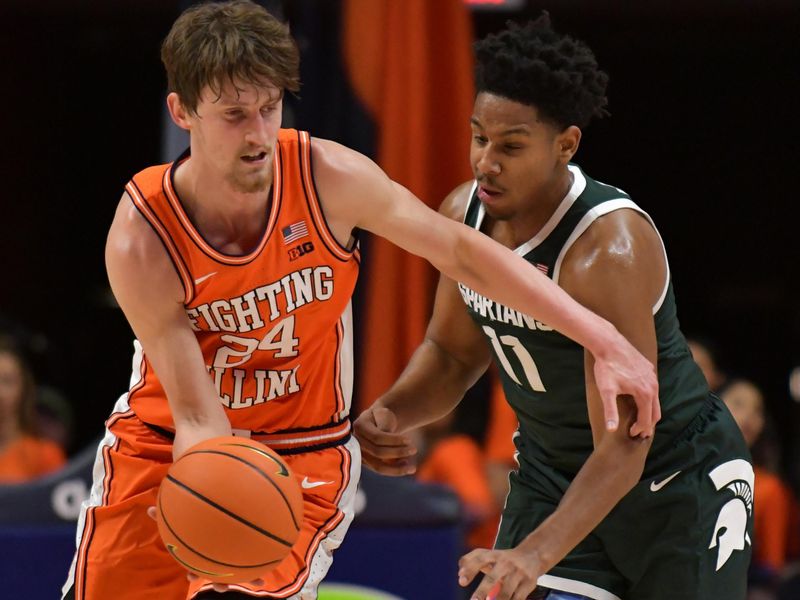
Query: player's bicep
<point>141,275</point>
<point>149,292</point>
<point>453,330</point>
<point>617,270</point>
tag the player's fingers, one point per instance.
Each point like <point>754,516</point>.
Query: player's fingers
<point>220,588</point>
<point>152,513</point>
<point>515,585</point>
<point>191,576</point>
<point>491,586</point>
<point>523,591</point>
<point>384,419</point>
<point>610,410</point>
<point>472,563</point>
<point>492,595</point>
<point>648,411</point>
<point>394,468</point>
<point>398,448</point>
<point>656,406</point>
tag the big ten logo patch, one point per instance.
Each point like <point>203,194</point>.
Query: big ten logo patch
<point>300,250</point>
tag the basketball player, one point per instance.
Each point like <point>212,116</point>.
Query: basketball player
<point>235,266</point>
<point>591,513</point>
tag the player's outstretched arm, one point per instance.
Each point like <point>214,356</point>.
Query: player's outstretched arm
<point>618,270</point>
<point>150,294</point>
<point>356,193</point>
<point>451,358</point>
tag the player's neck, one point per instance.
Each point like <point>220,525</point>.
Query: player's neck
<point>537,211</point>
<point>232,221</point>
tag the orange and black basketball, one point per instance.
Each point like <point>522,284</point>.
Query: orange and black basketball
<point>229,509</point>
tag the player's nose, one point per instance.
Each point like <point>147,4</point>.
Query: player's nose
<point>487,164</point>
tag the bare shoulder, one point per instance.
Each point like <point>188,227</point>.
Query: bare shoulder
<point>136,257</point>
<point>336,161</point>
<point>619,247</point>
<point>454,206</point>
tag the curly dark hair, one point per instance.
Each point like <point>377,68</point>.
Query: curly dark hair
<point>533,65</point>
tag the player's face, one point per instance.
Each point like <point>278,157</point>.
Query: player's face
<point>514,155</point>
<point>747,407</point>
<point>11,385</point>
<point>235,133</point>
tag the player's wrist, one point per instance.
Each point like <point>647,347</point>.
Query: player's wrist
<point>603,340</point>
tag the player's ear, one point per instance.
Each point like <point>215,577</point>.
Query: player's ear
<point>567,143</point>
<point>178,112</point>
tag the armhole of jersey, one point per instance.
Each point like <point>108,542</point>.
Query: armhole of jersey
<point>469,200</point>
<point>603,209</point>
<point>317,215</point>
<point>172,251</point>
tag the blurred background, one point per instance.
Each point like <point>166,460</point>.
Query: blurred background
<point>703,134</point>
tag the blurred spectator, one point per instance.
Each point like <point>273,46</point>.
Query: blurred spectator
<point>23,455</point>
<point>476,471</point>
<point>777,526</point>
<point>457,461</point>
<point>54,416</point>
<point>499,444</point>
<point>706,358</point>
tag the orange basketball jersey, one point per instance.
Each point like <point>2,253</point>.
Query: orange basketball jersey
<point>274,326</point>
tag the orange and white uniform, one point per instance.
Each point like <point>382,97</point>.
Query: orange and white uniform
<point>274,328</point>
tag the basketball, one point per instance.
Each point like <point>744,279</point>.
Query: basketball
<point>229,509</point>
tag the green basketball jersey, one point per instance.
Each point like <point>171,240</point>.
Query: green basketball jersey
<point>543,371</point>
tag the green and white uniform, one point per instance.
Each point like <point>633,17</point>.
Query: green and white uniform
<point>685,530</point>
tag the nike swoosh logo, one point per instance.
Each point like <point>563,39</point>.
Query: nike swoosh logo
<point>306,484</point>
<point>654,487</point>
<point>200,280</point>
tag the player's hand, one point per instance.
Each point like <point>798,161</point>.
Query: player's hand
<point>189,434</point>
<point>621,370</point>
<point>507,574</point>
<point>383,449</point>
<point>218,587</point>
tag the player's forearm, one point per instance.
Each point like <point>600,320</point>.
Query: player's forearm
<point>177,360</point>
<point>509,279</point>
<point>431,385</point>
<point>607,476</point>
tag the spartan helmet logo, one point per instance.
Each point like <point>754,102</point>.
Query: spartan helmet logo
<point>730,532</point>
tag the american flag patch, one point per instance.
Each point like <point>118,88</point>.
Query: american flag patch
<point>294,232</point>
<point>543,268</point>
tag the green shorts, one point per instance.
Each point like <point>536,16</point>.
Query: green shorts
<point>685,530</point>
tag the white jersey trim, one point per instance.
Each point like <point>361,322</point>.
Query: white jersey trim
<point>576,587</point>
<point>590,217</point>
<point>346,360</point>
<point>136,369</point>
<point>469,200</point>
<point>98,484</point>
<point>578,185</point>
<point>323,557</point>
<point>575,190</point>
